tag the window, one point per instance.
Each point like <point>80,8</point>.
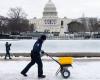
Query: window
<point>50,21</point>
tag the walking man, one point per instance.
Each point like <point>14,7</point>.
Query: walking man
<point>36,58</point>
<point>7,45</point>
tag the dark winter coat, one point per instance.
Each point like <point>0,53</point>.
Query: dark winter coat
<point>7,47</point>
<point>36,48</point>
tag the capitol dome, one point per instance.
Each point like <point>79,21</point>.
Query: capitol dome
<point>50,9</point>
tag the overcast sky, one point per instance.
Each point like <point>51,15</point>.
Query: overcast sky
<point>65,8</point>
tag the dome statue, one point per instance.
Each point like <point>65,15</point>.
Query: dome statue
<point>50,10</point>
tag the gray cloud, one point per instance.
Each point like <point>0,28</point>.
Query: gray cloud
<point>68,8</point>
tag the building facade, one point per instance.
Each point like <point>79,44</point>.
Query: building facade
<point>50,22</point>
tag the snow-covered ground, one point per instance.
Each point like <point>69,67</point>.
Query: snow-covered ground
<point>83,69</point>
<point>25,46</point>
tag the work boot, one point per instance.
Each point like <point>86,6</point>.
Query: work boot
<point>24,74</point>
<point>41,76</point>
<point>10,58</point>
<point>5,58</point>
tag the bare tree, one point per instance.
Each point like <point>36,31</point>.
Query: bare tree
<point>16,13</point>
<point>17,20</point>
<point>92,23</point>
<point>3,24</point>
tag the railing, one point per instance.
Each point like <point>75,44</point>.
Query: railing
<point>68,36</point>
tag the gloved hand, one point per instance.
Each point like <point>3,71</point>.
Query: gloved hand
<point>42,52</point>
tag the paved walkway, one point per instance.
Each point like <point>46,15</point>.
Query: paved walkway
<point>83,69</point>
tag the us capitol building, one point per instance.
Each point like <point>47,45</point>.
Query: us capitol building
<point>50,22</point>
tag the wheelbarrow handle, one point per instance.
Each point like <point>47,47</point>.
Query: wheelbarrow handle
<point>51,58</point>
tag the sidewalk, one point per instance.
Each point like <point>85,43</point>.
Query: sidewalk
<point>83,69</point>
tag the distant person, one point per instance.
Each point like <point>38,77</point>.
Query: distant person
<point>7,45</point>
<point>36,58</point>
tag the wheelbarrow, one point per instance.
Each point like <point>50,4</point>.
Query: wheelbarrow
<point>65,63</point>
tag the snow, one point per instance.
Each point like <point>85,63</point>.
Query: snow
<point>54,46</point>
<point>83,69</point>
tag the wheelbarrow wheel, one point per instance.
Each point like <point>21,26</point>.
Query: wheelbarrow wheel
<point>65,73</point>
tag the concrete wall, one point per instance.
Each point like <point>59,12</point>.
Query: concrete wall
<point>74,54</point>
